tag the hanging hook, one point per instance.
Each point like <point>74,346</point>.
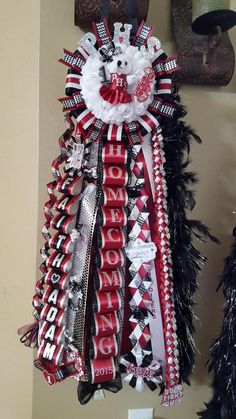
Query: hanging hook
<point>213,42</point>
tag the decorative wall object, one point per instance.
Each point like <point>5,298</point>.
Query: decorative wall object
<point>208,15</point>
<point>202,59</point>
<point>119,268</point>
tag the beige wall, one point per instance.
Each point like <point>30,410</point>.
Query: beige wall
<point>19,46</point>
<point>211,113</point>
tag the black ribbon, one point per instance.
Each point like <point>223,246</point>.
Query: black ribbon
<point>105,9</point>
<point>131,10</point>
<point>86,390</point>
<point>107,52</point>
<point>140,313</point>
<point>132,14</point>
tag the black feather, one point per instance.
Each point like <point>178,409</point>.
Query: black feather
<point>187,260</point>
<point>223,351</point>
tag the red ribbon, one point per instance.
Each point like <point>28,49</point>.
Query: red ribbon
<point>115,175</point>
<point>51,353</point>
<point>114,197</point>
<point>57,280</point>
<point>102,370</point>
<point>69,185</point>
<point>112,238</point>
<point>53,315</point>
<point>108,302</point>
<point>114,153</point>
<point>111,259</point>
<point>109,280</point>
<point>85,119</point>
<point>164,86</point>
<point>67,205</point>
<point>63,223</point>
<point>62,243</point>
<point>113,217</point>
<point>54,296</point>
<point>52,333</point>
<point>114,133</point>
<point>60,262</point>
<point>106,324</point>
<point>73,81</point>
<point>105,346</point>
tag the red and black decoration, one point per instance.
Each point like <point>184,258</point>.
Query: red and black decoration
<point>116,227</point>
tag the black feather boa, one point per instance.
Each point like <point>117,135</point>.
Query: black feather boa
<point>223,350</point>
<point>187,260</point>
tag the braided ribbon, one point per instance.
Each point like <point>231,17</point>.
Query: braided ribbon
<point>140,251</point>
<point>173,392</point>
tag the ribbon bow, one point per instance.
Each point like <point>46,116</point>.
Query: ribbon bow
<point>107,52</point>
<point>140,313</point>
<point>86,390</point>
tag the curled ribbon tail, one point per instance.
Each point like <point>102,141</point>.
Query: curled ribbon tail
<point>29,334</point>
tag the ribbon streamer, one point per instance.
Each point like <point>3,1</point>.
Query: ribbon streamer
<point>138,221</point>
<point>80,267</point>
<point>166,274</point>
<point>80,298</point>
